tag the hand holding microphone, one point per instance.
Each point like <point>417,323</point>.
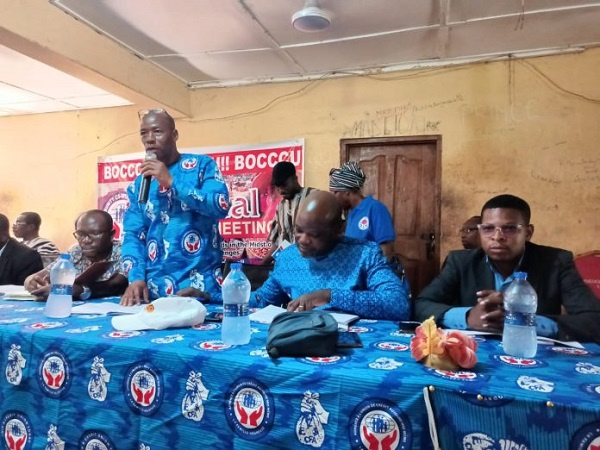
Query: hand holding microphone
<point>145,184</point>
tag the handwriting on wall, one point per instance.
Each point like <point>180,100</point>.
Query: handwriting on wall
<point>408,118</point>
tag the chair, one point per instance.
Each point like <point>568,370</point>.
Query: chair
<point>588,266</point>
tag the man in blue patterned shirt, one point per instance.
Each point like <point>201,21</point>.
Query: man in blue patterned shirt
<point>325,269</point>
<point>172,244</point>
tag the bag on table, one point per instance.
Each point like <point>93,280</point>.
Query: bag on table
<point>307,333</point>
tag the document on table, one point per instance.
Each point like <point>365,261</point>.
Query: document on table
<point>267,314</point>
<point>540,339</point>
<point>105,308</point>
<point>15,292</point>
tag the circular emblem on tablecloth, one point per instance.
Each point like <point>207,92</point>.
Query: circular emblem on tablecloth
<point>95,440</point>
<point>206,326</point>
<point>250,409</point>
<point>519,363</point>
<point>570,351</point>
<point>391,346</point>
<point>490,401</point>
<point>591,388</point>
<point>122,334</point>
<point>323,360</point>
<point>535,384</point>
<point>46,325</point>
<point>54,373</point>
<point>360,329</point>
<point>586,438</point>
<point>378,423</point>
<point>587,368</point>
<point>143,388</point>
<point>211,346</point>
<point>16,430</point>
<point>458,375</point>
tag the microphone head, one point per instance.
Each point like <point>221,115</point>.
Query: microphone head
<point>150,155</point>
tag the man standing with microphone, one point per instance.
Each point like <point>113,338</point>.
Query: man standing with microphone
<point>172,244</point>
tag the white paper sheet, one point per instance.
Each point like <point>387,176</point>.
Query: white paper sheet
<point>268,313</point>
<point>106,308</point>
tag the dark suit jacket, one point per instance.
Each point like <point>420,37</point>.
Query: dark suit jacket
<point>550,271</point>
<point>17,262</point>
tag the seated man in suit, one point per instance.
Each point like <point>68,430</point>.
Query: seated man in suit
<point>469,233</point>
<point>324,268</point>
<point>468,291</point>
<point>17,261</point>
<point>94,233</point>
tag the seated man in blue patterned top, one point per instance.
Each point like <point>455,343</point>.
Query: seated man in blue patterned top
<point>324,268</point>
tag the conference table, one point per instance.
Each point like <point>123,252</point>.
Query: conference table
<point>78,383</point>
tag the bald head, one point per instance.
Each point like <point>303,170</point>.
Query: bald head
<point>318,224</point>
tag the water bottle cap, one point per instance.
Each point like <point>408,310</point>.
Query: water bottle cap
<point>65,256</point>
<point>236,266</point>
<point>520,275</point>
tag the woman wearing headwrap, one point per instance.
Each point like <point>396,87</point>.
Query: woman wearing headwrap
<point>368,218</point>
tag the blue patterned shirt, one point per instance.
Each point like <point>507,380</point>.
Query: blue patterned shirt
<point>172,242</point>
<point>360,280</point>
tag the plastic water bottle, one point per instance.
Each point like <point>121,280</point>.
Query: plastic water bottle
<point>520,304</point>
<point>235,329</point>
<point>60,300</point>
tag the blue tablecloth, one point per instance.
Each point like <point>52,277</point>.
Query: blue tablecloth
<point>78,381</point>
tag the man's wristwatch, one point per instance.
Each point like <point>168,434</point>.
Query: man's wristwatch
<point>86,294</point>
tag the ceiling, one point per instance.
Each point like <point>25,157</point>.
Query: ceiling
<point>209,43</point>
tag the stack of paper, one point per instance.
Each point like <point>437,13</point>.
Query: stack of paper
<point>267,314</point>
<point>15,292</point>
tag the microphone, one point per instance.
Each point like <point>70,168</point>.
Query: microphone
<point>145,184</point>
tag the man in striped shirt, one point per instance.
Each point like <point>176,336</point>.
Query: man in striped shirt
<point>27,228</point>
<point>285,180</point>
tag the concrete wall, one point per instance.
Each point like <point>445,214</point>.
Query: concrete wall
<point>527,127</point>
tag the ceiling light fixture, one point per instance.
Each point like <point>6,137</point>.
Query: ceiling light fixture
<point>311,18</point>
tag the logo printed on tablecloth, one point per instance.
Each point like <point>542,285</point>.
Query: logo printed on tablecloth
<point>391,346</point>
<point>323,360</point>
<point>587,368</point>
<point>385,364</point>
<point>191,405</point>
<point>14,320</point>
<point>122,334</point>
<point>168,339</point>
<point>143,388</point>
<point>363,224</point>
<point>206,326</point>
<point>53,441</point>
<point>591,388</point>
<point>16,430</point>
<point>309,427</point>
<point>83,329</point>
<point>97,386</point>
<point>586,438</point>
<point>519,363</point>
<point>481,441</point>
<point>261,352</point>
<point>249,409</point>
<point>535,384</point>
<point>359,329</point>
<point>54,373</point>
<point>46,325</point>
<point>377,423</point>
<point>211,346</point>
<point>14,365</point>
<point>191,242</point>
<point>460,375</point>
<point>95,440</point>
<point>570,351</point>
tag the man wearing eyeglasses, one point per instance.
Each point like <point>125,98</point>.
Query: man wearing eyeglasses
<point>467,294</point>
<point>172,244</point>
<point>469,233</point>
<point>94,233</point>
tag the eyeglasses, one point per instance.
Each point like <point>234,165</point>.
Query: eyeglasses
<point>81,235</point>
<point>466,230</point>
<point>506,230</point>
<point>143,112</point>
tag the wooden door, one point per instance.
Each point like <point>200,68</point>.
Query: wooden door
<point>405,174</point>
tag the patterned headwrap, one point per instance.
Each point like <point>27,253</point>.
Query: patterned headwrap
<point>349,177</point>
